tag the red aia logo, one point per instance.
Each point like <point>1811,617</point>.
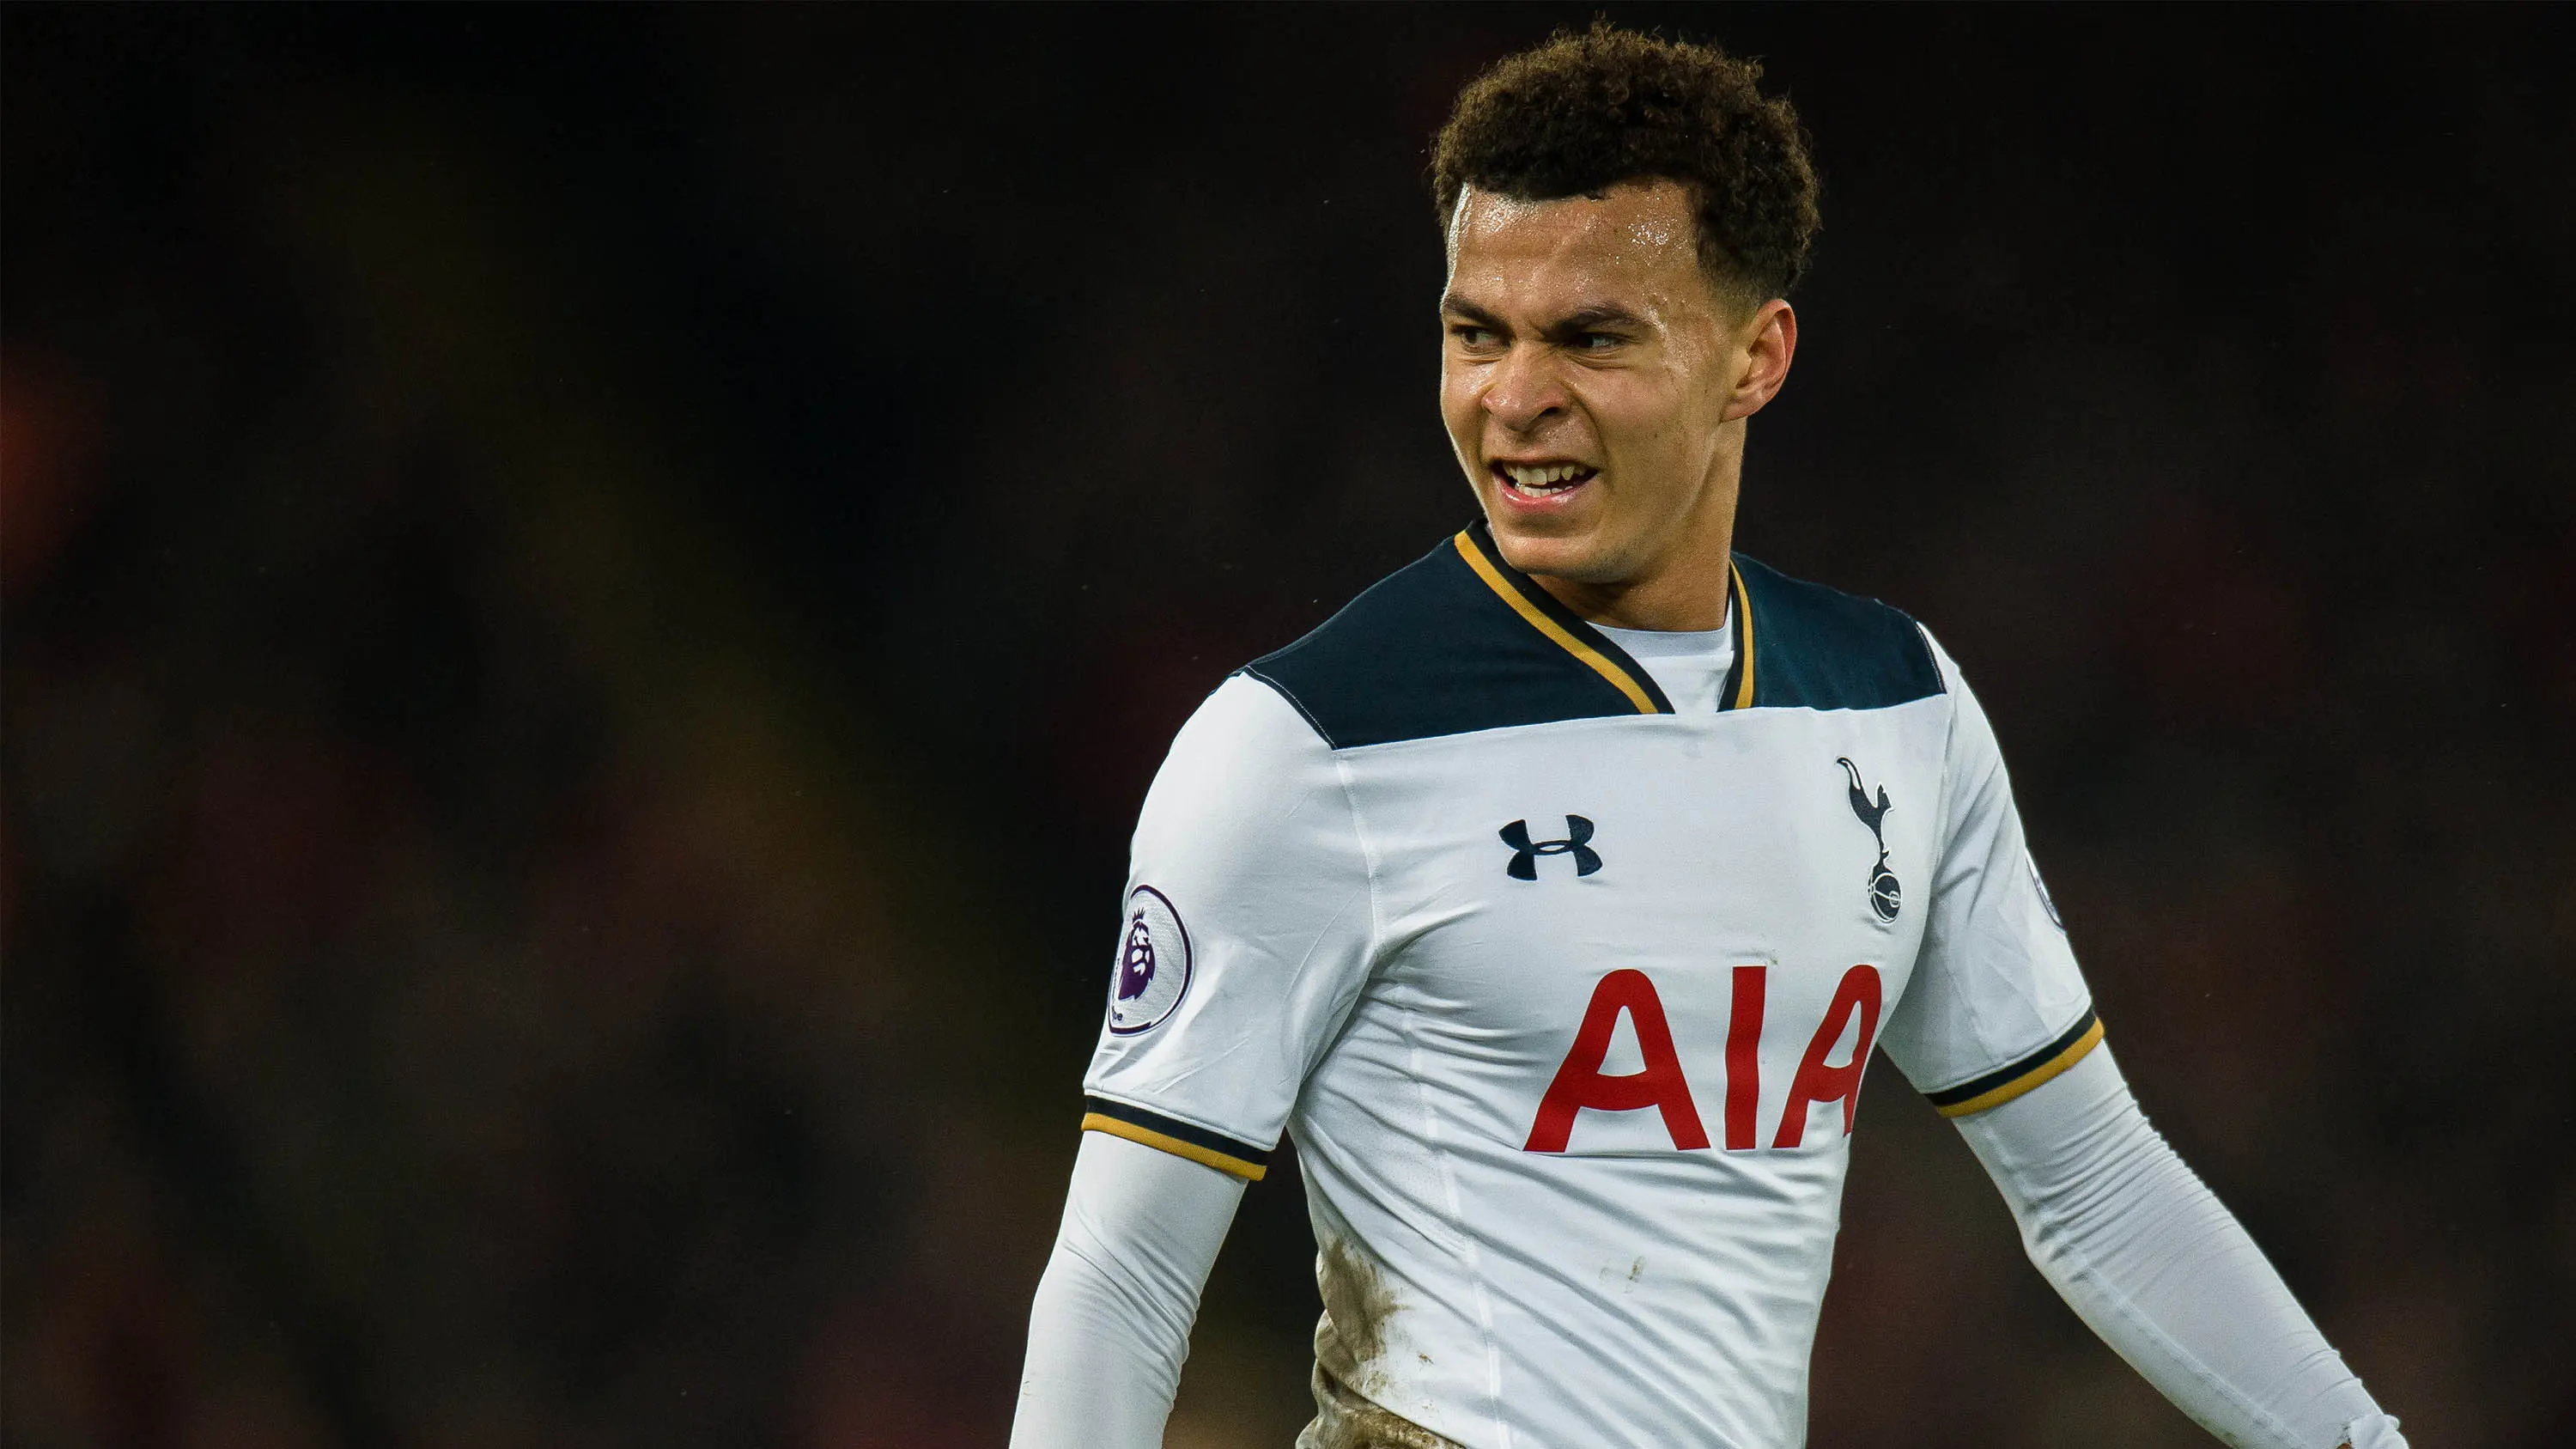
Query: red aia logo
<point>1661,1085</point>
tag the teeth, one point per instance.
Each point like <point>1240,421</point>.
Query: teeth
<point>1552,476</point>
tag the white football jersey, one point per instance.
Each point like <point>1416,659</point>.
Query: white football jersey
<point>1565,996</point>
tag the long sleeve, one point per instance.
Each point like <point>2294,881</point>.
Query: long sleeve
<point>1244,940</point>
<point>1111,1323</point>
<point>2157,1266</point>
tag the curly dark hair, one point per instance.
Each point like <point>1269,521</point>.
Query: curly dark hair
<point>1586,111</point>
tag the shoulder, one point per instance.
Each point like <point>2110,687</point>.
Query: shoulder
<point>1814,647</point>
<point>1451,643</point>
<point>1243,732</point>
<point>1247,808</point>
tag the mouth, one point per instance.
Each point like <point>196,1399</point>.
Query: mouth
<point>1538,484</point>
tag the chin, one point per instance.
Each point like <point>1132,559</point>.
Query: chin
<point>1576,554</point>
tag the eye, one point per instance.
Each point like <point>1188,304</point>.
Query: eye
<point>1471,335</point>
<point>1597,341</point>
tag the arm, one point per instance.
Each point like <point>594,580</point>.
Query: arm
<point>1245,939</point>
<point>1996,1026</point>
<point>2151,1260</point>
<point>1111,1324</point>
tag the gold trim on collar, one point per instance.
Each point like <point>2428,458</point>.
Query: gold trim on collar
<point>1599,663</point>
<point>1744,638</point>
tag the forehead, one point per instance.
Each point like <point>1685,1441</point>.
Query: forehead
<point>1633,240</point>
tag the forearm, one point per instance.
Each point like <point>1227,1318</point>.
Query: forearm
<point>1111,1322</point>
<point>2158,1267</point>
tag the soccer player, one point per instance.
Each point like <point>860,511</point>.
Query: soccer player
<point>1553,894</point>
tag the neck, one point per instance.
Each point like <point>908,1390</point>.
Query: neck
<point>1690,598</point>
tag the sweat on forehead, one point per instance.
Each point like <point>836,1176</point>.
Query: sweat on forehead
<point>1646,223</point>
<point>1650,211</point>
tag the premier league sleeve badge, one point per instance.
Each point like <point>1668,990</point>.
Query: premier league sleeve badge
<point>1153,971</point>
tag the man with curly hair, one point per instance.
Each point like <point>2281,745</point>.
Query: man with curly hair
<point>1553,894</point>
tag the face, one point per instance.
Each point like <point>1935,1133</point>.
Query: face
<point>1595,385</point>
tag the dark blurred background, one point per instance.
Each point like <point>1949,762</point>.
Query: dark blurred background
<point>591,593</point>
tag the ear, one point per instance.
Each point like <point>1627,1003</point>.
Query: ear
<point>1767,341</point>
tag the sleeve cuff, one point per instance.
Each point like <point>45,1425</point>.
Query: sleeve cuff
<point>1995,1088</point>
<point>1181,1139</point>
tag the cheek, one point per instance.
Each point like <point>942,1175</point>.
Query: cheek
<point>1457,400</point>
<point>1671,414</point>
<point>1637,423</point>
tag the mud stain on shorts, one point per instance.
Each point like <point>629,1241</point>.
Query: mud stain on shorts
<point>1345,1420</point>
<point>1350,1358</point>
<point>1357,1303</point>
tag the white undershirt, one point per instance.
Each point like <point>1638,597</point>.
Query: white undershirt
<point>1689,664</point>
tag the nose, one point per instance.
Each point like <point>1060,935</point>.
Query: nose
<point>1525,389</point>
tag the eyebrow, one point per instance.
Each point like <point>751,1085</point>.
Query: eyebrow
<point>1469,312</point>
<point>1590,319</point>
<point>1573,324</point>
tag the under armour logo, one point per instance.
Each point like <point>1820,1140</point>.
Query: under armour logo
<point>1136,963</point>
<point>1525,852</point>
<point>1885,896</point>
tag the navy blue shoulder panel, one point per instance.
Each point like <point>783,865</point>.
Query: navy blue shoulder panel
<point>1429,650</point>
<point>1820,648</point>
